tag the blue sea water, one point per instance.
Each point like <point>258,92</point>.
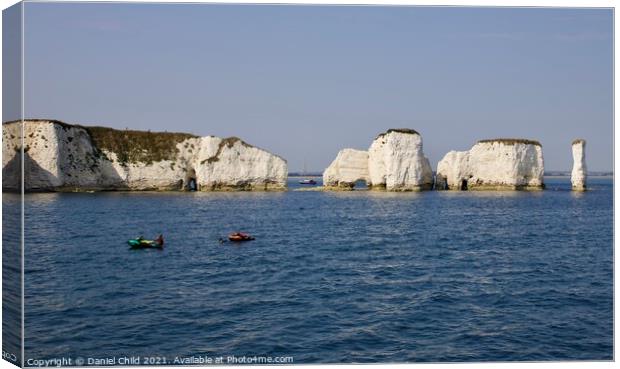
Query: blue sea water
<point>331,277</point>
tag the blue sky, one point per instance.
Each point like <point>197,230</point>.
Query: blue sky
<point>307,81</point>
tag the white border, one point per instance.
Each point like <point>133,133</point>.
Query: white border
<point>478,3</point>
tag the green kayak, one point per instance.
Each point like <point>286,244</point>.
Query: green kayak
<point>141,243</point>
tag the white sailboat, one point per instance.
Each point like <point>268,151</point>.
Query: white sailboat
<point>306,181</point>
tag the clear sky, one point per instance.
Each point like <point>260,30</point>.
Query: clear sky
<point>307,81</point>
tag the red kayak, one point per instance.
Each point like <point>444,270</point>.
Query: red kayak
<point>240,236</point>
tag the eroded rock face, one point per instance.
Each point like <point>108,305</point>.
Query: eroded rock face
<point>62,157</point>
<point>349,167</point>
<point>451,170</point>
<point>237,165</point>
<point>493,165</point>
<point>579,172</point>
<point>395,162</point>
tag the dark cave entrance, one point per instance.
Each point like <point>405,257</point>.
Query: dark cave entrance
<point>190,183</point>
<point>463,185</point>
<point>360,185</point>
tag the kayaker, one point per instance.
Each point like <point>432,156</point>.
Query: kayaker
<point>160,240</point>
<point>240,236</point>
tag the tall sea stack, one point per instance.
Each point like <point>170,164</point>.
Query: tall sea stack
<point>578,175</point>
<point>395,161</point>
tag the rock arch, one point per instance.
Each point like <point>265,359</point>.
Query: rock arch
<point>495,164</point>
<point>394,162</point>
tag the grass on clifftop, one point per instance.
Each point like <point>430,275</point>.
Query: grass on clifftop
<point>129,146</point>
<point>511,141</point>
<point>137,146</point>
<point>399,130</point>
<point>578,140</point>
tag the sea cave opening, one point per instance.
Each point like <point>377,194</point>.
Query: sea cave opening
<point>463,185</point>
<point>190,183</point>
<point>360,185</point>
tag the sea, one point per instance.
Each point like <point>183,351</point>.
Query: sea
<point>332,277</point>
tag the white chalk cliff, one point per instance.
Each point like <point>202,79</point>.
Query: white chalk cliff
<point>493,165</point>
<point>395,161</point>
<point>63,157</point>
<point>578,175</point>
<point>349,167</point>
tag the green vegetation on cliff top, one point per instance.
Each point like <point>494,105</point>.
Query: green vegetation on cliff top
<point>128,145</point>
<point>399,130</point>
<point>137,146</point>
<point>511,141</point>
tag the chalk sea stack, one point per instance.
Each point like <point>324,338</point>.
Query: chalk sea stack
<point>349,167</point>
<point>496,164</point>
<point>64,157</point>
<point>578,174</point>
<point>395,161</point>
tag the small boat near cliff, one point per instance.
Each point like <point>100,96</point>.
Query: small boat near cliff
<point>307,181</point>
